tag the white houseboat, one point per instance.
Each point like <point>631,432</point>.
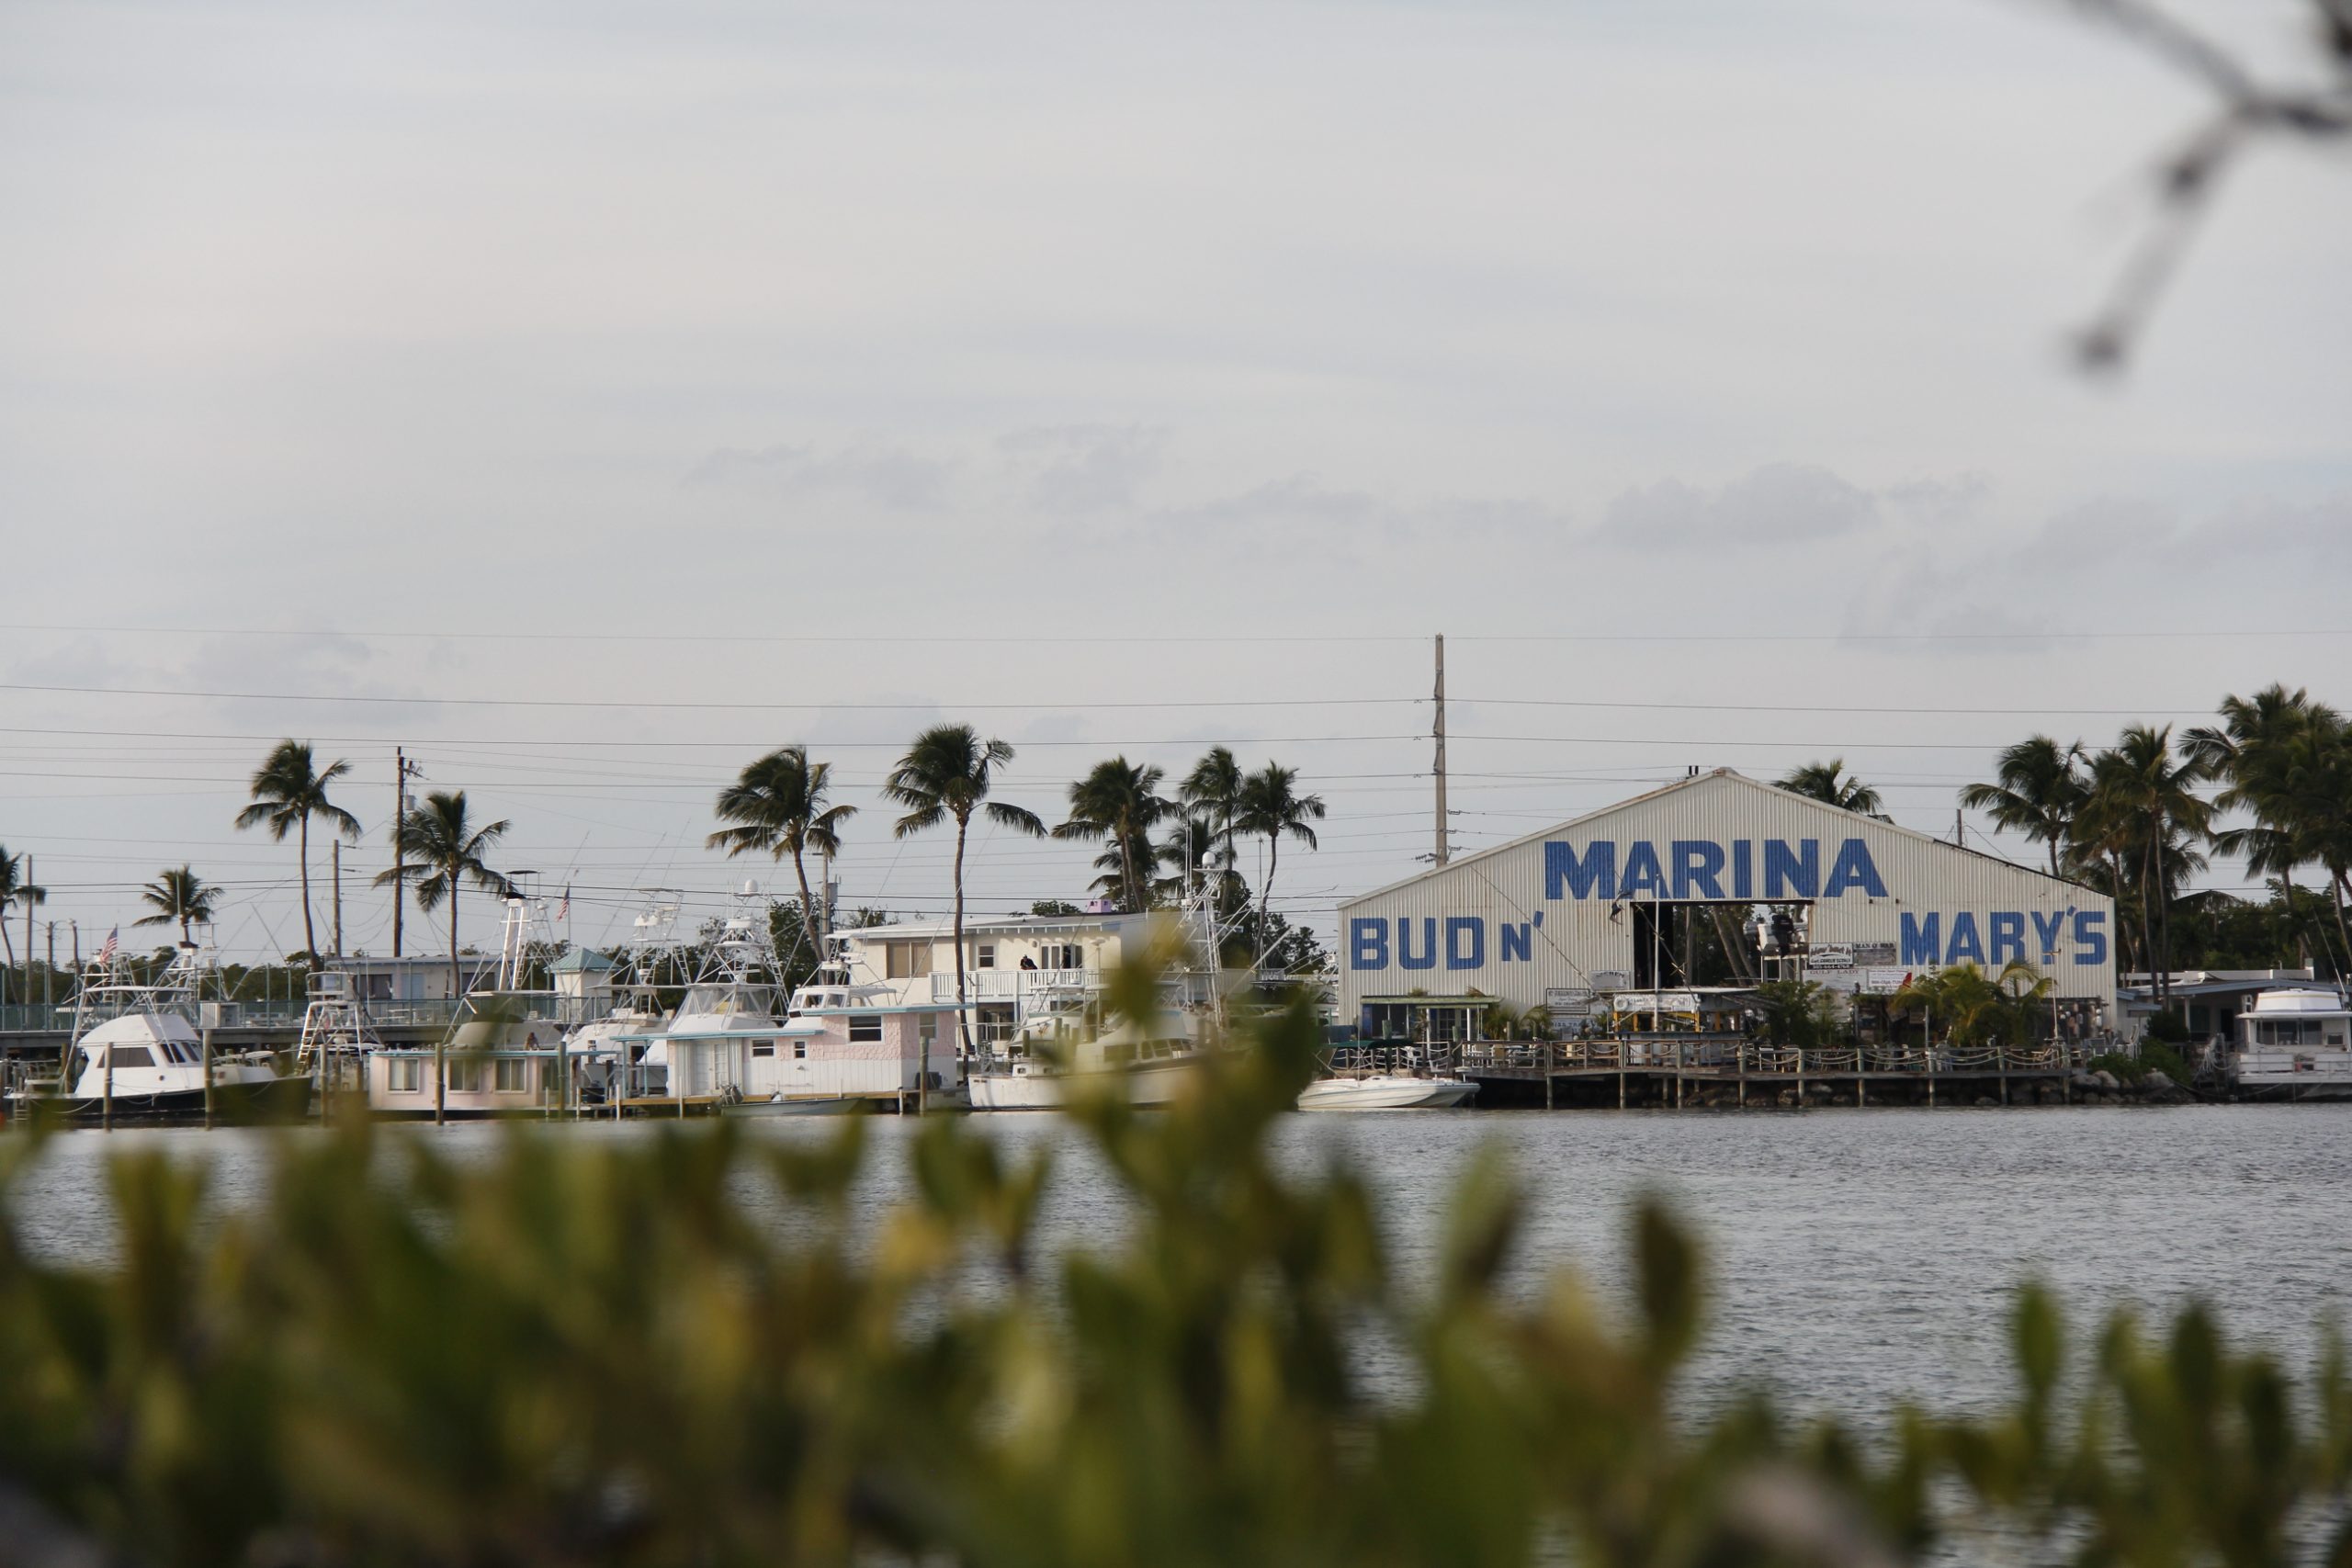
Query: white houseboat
<point>2296,1043</point>
<point>504,1055</point>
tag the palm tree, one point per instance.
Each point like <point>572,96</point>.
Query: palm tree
<point>182,896</point>
<point>2288,761</point>
<point>288,790</point>
<point>2040,792</point>
<point>16,889</point>
<point>439,848</point>
<point>1829,784</point>
<point>1271,806</point>
<point>1213,790</point>
<point>1118,801</point>
<point>944,776</point>
<point>2147,793</point>
<point>777,806</point>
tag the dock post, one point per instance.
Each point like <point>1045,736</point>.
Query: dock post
<point>1545,1056</point>
<point>206,1048</point>
<point>105,1093</point>
<point>1740,1070</point>
<point>1800,1050</point>
<point>1620,1078</point>
<point>1931,1084</point>
<point>1861,1079</point>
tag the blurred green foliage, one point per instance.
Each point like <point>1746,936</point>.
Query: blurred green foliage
<point>606,1351</point>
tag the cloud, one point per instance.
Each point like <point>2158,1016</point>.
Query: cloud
<point>1939,502</point>
<point>889,477</point>
<point>1303,506</point>
<point>2317,533</point>
<point>2105,533</point>
<point>1780,503</point>
<point>1084,467</point>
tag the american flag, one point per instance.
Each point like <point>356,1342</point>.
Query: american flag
<point>113,943</point>
<point>564,911</point>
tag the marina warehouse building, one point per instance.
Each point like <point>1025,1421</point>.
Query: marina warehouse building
<point>1613,900</point>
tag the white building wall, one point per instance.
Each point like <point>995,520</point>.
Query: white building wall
<point>1552,909</point>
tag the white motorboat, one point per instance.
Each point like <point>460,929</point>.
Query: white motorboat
<point>137,1053</point>
<point>1149,1072</point>
<point>1385,1092</point>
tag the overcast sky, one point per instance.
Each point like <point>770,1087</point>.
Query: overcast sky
<point>1118,378</point>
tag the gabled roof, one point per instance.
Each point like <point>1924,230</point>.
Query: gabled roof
<point>1717,775</point>
<point>579,959</point>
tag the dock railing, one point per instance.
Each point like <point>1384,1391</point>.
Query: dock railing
<point>1715,1056</point>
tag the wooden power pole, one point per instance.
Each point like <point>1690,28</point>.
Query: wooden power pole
<point>1440,733</point>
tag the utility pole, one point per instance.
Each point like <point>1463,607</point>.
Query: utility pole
<point>51,972</point>
<point>1439,732</point>
<point>402,770</point>
<point>335,845</point>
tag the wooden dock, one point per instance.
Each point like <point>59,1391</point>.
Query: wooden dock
<point>1692,1070</point>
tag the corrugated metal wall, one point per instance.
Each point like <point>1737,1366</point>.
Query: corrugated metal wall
<point>1551,911</point>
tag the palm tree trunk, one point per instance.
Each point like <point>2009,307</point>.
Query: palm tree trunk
<point>963,1027</point>
<point>1266,894</point>
<point>2335,888</point>
<point>807,910</point>
<point>309,936</point>
<point>2163,919</point>
<point>456,991</point>
<point>2148,933</point>
<point>1127,868</point>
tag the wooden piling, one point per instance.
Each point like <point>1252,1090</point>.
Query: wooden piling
<point>206,1047</point>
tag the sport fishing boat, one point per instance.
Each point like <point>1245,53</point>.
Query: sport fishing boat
<point>504,1054</point>
<point>136,1054</point>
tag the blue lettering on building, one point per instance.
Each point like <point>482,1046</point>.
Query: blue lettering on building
<point>1788,873</point>
<point>1743,869</point>
<point>2090,937</point>
<point>1427,959</point>
<point>1368,944</point>
<point>1462,954</point>
<point>1965,943</point>
<point>1594,876</point>
<point>1643,874</point>
<point>1920,939</point>
<point>1697,865</point>
<point>1519,942</point>
<point>2047,930</point>
<point>2007,928</point>
<point>1853,869</point>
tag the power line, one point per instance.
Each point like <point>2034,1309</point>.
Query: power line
<point>667,705</point>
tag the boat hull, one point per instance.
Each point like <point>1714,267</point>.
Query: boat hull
<point>1386,1094</point>
<point>273,1100</point>
<point>829,1105</point>
<point>1147,1083</point>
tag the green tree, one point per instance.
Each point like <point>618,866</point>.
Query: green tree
<point>2040,790</point>
<point>1972,1007</point>
<point>777,809</point>
<point>440,850</point>
<point>2287,761</point>
<point>1212,791</point>
<point>1118,801</point>
<point>2144,792</point>
<point>1829,784</point>
<point>289,789</point>
<point>180,894</point>
<point>946,777</point>
<point>1272,808</point>
<point>16,889</point>
<point>1803,1013</point>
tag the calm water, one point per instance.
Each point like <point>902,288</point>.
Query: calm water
<point>1857,1256</point>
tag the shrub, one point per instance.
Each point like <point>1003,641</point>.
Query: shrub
<point>592,1351</point>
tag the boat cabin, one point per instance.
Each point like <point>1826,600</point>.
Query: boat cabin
<point>2298,1039</point>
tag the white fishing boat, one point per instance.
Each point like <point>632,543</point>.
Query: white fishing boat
<point>1386,1091</point>
<point>2295,1042</point>
<point>137,1053</point>
<point>622,1008</point>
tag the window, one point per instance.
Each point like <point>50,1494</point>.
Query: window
<point>465,1075</point>
<point>927,1028</point>
<point>763,1048</point>
<point>800,1049</point>
<point>905,960</point>
<point>513,1074</point>
<point>866,1031</point>
<point>407,1074</point>
<point>987,956</point>
<point>121,1056</point>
